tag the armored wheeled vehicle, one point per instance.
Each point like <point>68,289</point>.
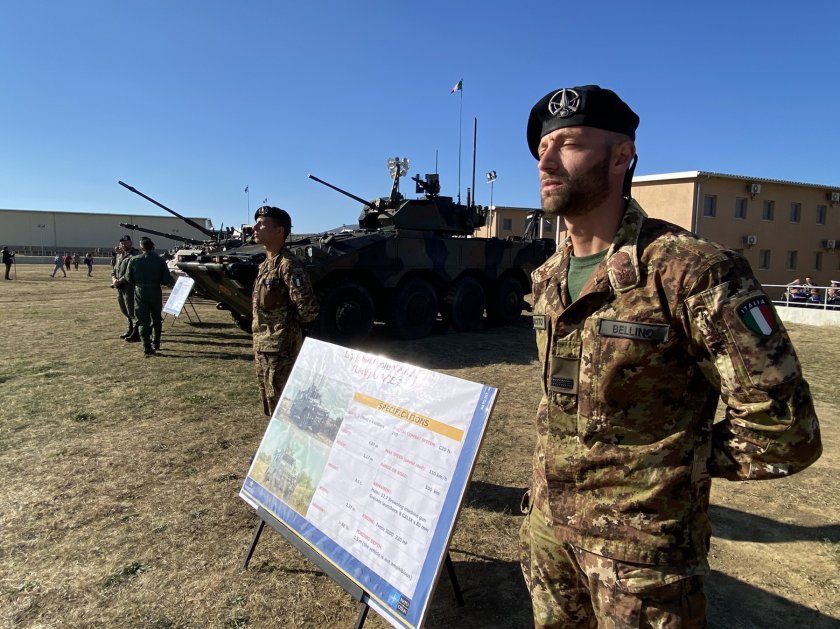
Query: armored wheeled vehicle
<point>410,263</point>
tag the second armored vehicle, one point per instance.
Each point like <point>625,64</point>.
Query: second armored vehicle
<point>410,262</point>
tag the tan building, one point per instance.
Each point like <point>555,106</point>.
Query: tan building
<point>786,229</point>
<point>504,222</point>
<point>32,231</point>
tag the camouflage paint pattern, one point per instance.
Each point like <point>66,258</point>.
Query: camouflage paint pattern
<point>632,371</point>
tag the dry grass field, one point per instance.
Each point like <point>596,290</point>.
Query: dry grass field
<point>119,505</point>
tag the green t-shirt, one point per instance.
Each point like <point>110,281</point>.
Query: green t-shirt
<point>580,268</point>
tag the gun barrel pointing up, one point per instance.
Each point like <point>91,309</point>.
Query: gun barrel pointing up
<point>364,202</point>
<point>190,222</point>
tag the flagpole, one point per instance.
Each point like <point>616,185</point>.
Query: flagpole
<point>248,206</point>
<point>460,117</point>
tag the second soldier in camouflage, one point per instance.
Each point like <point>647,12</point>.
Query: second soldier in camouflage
<point>284,304</point>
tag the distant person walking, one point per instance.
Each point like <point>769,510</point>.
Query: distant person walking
<point>8,260</point>
<point>76,260</point>
<point>67,260</point>
<point>58,261</point>
<point>89,263</point>
<point>148,272</point>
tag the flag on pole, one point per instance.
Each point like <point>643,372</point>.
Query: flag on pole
<point>458,87</point>
<point>246,189</point>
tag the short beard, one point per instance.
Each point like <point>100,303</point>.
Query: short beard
<point>580,194</point>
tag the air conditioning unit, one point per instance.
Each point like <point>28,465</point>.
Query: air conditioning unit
<point>750,240</point>
<point>754,188</point>
<point>829,244</point>
<point>834,197</point>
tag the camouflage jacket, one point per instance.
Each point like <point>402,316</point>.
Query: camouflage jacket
<point>148,271</point>
<point>283,301</point>
<point>632,372</point>
<point>121,267</point>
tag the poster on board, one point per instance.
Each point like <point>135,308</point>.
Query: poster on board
<point>367,460</point>
<point>178,297</point>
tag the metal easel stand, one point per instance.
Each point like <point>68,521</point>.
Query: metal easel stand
<point>331,571</point>
<point>186,311</point>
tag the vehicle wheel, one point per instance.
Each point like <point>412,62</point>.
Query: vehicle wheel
<point>415,310</point>
<point>346,313</point>
<point>463,304</point>
<point>505,305</point>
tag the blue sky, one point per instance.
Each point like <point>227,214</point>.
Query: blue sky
<point>191,100</point>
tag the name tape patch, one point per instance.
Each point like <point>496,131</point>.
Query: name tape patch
<point>654,332</point>
<point>539,322</point>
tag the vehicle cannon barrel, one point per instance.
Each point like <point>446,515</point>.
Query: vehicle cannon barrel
<point>344,192</point>
<point>208,232</point>
<point>184,239</point>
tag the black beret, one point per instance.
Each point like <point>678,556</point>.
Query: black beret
<point>124,238</point>
<point>272,212</point>
<point>583,106</point>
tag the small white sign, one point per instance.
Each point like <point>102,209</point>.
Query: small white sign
<point>178,297</point>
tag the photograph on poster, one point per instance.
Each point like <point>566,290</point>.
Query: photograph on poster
<point>367,460</point>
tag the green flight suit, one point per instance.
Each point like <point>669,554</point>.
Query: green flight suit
<point>125,291</point>
<point>148,272</point>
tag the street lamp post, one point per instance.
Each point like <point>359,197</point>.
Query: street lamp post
<point>491,178</point>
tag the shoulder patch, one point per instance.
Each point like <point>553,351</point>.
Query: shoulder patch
<point>757,315</point>
<point>539,322</point>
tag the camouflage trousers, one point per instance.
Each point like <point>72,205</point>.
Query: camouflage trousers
<point>273,370</point>
<point>571,587</point>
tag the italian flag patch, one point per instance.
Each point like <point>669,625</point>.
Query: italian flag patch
<point>757,314</point>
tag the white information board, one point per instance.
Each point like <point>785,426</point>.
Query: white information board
<point>367,460</point>
<point>178,297</point>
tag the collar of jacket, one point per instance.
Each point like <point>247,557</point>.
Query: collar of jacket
<point>621,261</point>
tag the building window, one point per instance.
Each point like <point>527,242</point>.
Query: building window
<point>710,205</point>
<point>821,212</point>
<point>764,259</point>
<point>507,224</point>
<point>767,210</point>
<point>791,261</point>
<point>741,207</point>
<point>818,260</point>
<point>795,212</point>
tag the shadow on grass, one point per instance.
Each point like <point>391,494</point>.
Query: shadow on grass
<point>494,596</point>
<point>513,344</point>
<point>734,604</point>
<point>740,526</point>
<point>491,497</point>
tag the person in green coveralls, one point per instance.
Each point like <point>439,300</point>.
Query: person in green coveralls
<point>125,291</point>
<point>148,272</point>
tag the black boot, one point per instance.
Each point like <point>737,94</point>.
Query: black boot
<point>156,345</point>
<point>134,337</point>
<point>148,351</point>
<point>128,332</point>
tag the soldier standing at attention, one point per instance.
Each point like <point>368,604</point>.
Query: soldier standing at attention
<point>125,291</point>
<point>641,326</point>
<point>147,273</point>
<point>284,303</point>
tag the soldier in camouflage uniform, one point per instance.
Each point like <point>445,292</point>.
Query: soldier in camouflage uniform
<point>147,273</point>
<point>125,291</point>
<point>284,303</point>
<point>641,326</point>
